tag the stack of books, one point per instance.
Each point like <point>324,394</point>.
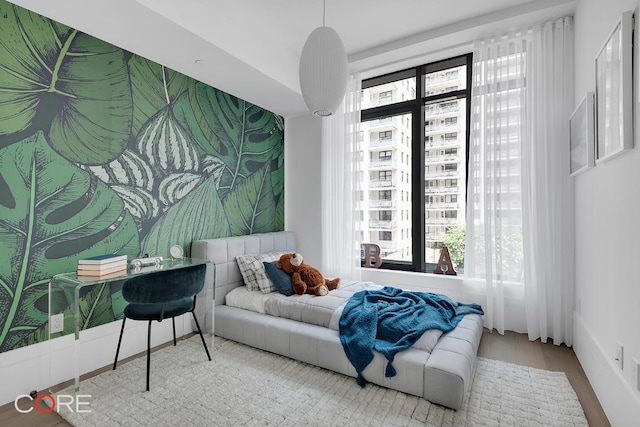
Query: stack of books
<point>102,266</point>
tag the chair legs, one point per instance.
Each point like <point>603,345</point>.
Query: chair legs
<point>115,362</point>
<point>148,353</point>
<point>173,320</point>
<point>201,336</point>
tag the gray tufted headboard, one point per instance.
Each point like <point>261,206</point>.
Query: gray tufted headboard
<point>222,253</point>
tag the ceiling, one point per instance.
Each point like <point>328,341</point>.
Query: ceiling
<point>251,48</point>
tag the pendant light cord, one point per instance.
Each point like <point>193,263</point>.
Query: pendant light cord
<point>324,12</point>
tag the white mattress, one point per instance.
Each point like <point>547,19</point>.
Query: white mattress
<point>242,297</point>
<point>322,311</point>
<point>315,310</point>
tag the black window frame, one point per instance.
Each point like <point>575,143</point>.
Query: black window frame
<point>416,107</point>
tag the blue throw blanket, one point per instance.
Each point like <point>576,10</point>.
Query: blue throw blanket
<point>390,320</point>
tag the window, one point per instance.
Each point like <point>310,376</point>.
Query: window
<point>384,156</point>
<point>384,235</point>
<point>451,137</point>
<point>385,135</point>
<point>384,175</point>
<point>433,127</point>
<point>385,96</point>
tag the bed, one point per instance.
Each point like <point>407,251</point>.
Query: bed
<point>440,369</point>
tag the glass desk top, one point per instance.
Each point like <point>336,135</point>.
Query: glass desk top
<point>167,264</point>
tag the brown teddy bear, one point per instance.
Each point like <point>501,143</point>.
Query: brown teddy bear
<point>304,278</point>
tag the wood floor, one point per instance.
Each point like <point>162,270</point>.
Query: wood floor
<point>511,347</point>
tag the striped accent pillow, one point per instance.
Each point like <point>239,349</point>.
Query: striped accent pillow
<point>253,271</point>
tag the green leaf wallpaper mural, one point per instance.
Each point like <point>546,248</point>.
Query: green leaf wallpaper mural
<point>75,87</point>
<point>105,151</point>
<point>245,137</point>
<point>251,205</point>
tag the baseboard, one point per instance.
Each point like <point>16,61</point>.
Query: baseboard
<point>619,402</point>
<point>43,365</point>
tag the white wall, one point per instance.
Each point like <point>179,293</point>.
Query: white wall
<point>303,209</point>
<point>607,224</point>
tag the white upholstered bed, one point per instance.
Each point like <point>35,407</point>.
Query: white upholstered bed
<point>442,375</point>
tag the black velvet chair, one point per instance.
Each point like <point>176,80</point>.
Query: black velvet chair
<point>162,295</point>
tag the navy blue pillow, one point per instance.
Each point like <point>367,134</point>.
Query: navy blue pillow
<point>281,280</point>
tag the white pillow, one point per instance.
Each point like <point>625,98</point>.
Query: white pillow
<point>253,271</point>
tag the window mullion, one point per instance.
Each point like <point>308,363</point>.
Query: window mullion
<point>417,182</point>
<point>469,58</point>
<point>387,110</point>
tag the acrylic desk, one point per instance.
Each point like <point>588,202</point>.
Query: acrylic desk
<point>69,288</point>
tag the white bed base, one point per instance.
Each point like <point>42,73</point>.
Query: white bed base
<point>442,377</point>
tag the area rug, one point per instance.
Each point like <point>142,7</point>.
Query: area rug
<point>243,386</point>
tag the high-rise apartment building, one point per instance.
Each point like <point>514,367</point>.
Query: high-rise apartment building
<point>445,159</point>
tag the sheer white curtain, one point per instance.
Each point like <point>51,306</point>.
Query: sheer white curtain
<point>340,148</point>
<point>519,249</point>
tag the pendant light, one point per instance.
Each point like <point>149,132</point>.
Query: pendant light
<point>323,70</point>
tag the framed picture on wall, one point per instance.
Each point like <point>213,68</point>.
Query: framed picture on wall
<point>614,92</point>
<point>582,136</point>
